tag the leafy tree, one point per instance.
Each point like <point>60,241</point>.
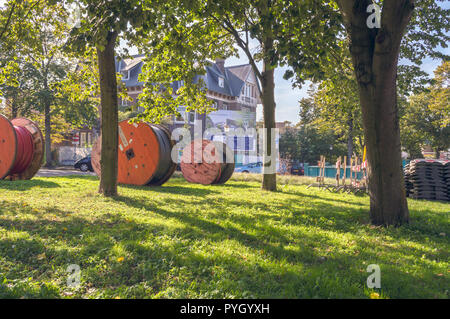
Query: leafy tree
<point>36,64</point>
<point>426,118</point>
<point>289,148</point>
<point>426,125</point>
<point>440,93</point>
<point>375,46</point>
<point>336,104</point>
<point>101,25</point>
<point>15,90</point>
<point>12,14</point>
<point>336,108</point>
<point>306,143</point>
<point>284,31</point>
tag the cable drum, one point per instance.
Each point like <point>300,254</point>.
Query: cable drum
<point>21,148</point>
<point>25,150</point>
<point>166,167</point>
<point>144,154</point>
<point>207,162</point>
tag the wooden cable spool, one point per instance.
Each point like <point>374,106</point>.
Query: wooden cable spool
<point>144,154</point>
<point>21,148</point>
<point>205,162</point>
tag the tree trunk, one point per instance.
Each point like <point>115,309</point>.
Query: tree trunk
<point>14,108</point>
<point>268,101</point>
<point>375,55</point>
<point>438,153</point>
<point>388,204</point>
<point>109,117</point>
<point>350,140</point>
<point>48,135</point>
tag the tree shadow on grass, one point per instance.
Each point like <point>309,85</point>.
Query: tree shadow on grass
<point>303,194</point>
<point>171,189</point>
<point>322,216</point>
<point>75,177</point>
<point>300,273</point>
<point>270,239</point>
<point>27,185</point>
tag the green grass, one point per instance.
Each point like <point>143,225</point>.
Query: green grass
<point>233,241</point>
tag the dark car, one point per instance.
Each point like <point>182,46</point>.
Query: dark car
<point>297,169</point>
<point>84,164</point>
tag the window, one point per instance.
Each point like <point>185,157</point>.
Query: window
<point>125,75</point>
<point>221,82</point>
<point>185,117</point>
<point>89,138</point>
<point>225,107</point>
<point>190,118</point>
<point>83,139</point>
<point>179,119</point>
<point>247,143</point>
<point>125,102</point>
<point>248,90</point>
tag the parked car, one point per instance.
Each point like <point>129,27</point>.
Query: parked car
<point>297,169</point>
<point>84,164</point>
<point>255,168</point>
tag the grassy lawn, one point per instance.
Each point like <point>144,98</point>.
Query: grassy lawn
<point>233,241</point>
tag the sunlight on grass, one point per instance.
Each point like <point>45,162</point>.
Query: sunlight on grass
<point>232,241</point>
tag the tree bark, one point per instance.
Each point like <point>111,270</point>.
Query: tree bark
<point>268,101</point>
<point>375,55</point>
<point>438,153</point>
<point>14,109</point>
<point>109,116</point>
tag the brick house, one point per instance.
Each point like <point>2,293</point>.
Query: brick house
<point>234,90</point>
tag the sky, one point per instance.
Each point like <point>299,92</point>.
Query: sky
<point>287,98</point>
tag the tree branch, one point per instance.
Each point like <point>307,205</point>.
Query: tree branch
<point>244,47</point>
<point>13,7</point>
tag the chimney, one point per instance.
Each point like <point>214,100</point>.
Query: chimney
<point>221,65</point>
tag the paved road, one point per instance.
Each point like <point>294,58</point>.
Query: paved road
<point>61,172</point>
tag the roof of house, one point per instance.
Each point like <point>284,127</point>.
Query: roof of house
<point>234,76</point>
<point>241,71</point>
<point>132,65</point>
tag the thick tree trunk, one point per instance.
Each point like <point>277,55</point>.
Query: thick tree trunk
<point>375,58</point>
<point>109,117</point>
<point>268,101</point>
<point>388,204</point>
<point>48,136</point>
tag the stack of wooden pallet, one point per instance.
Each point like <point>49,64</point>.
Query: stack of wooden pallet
<point>447,177</point>
<point>408,183</point>
<point>427,179</point>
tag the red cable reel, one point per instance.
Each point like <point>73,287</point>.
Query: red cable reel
<point>21,148</point>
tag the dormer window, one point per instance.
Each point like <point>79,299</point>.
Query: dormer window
<point>221,82</point>
<point>125,75</point>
